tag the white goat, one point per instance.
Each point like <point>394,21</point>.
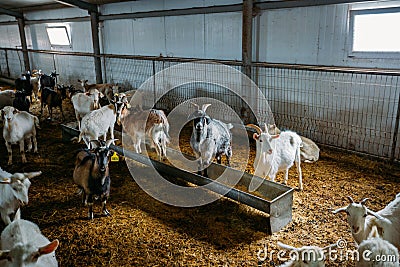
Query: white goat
<point>22,244</point>
<point>361,219</point>
<point>6,98</point>
<point>98,122</point>
<point>84,103</point>
<point>376,252</point>
<point>13,193</point>
<point>152,123</point>
<point>276,153</point>
<point>309,151</point>
<point>19,126</point>
<point>307,256</point>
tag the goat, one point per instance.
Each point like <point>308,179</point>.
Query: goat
<point>19,126</point>
<point>35,81</point>
<point>98,122</point>
<point>23,244</point>
<point>376,252</point>
<point>91,174</point>
<point>53,99</point>
<point>136,101</point>
<point>276,153</point>
<point>48,81</point>
<point>23,84</point>
<point>361,219</point>
<point>210,138</point>
<point>6,98</point>
<point>307,256</point>
<point>14,193</point>
<point>152,123</point>
<point>21,102</point>
<point>107,89</point>
<point>309,151</point>
<point>84,103</point>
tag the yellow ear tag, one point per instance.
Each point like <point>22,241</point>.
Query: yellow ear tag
<point>114,157</point>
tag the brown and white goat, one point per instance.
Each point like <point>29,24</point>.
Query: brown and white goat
<point>107,89</point>
<point>92,175</point>
<point>152,123</point>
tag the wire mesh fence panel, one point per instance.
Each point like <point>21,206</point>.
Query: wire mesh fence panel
<point>129,73</point>
<point>15,63</point>
<point>355,111</point>
<point>71,68</point>
<point>3,63</point>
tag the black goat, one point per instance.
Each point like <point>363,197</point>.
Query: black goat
<point>92,176</point>
<point>20,101</point>
<point>52,99</point>
<point>48,80</point>
<point>23,84</point>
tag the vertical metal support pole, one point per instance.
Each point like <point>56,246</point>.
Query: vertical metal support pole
<point>21,27</point>
<point>8,66</point>
<point>247,29</point>
<point>396,128</point>
<point>94,22</point>
<point>154,81</point>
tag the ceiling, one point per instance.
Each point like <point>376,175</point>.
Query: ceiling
<point>20,5</point>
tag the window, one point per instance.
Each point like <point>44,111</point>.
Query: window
<point>374,33</point>
<point>58,35</point>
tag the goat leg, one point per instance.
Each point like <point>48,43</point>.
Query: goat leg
<point>90,204</point>
<point>9,150</point>
<point>104,208</point>
<point>22,151</point>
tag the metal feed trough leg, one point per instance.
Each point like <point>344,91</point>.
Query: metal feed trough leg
<point>272,198</point>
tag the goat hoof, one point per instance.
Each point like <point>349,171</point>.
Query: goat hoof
<point>106,213</point>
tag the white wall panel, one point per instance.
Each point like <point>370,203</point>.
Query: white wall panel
<point>185,36</point>
<point>223,35</point>
<point>149,36</point>
<point>118,37</point>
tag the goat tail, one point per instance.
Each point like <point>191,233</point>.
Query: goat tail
<point>36,121</point>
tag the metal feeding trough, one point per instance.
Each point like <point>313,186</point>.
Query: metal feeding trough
<point>270,197</point>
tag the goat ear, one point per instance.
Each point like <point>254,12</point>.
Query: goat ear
<point>101,94</point>
<point>4,255</point>
<point>86,81</point>
<point>108,143</point>
<point>31,175</point>
<point>208,120</point>
<point>5,181</point>
<point>256,136</point>
<point>275,136</point>
<point>342,209</point>
<point>79,81</point>
<point>49,248</point>
<point>15,111</point>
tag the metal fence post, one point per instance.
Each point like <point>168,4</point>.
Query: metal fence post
<point>396,127</point>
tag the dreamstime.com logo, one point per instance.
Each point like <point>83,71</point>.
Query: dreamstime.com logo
<point>337,252</point>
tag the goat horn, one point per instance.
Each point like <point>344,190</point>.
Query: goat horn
<point>362,202</point>
<point>204,107</point>
<point>255,127</point>
<point>350,199</point>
